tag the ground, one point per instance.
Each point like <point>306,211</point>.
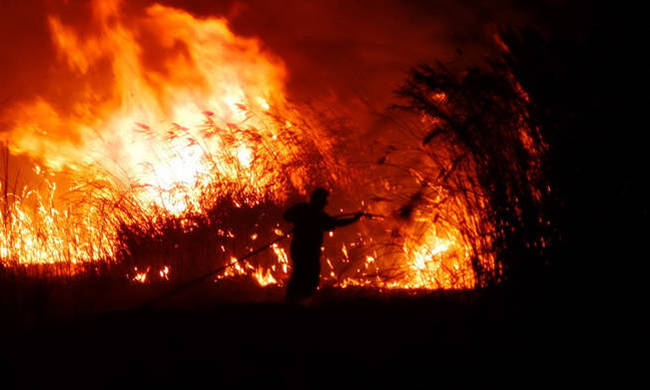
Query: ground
<point>221,337</point>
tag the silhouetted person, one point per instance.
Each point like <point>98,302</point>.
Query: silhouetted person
<point>310,223</point>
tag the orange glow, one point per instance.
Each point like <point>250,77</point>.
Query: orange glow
<point>200,117</point>
<point>169,139</point>
<point>173,114</point>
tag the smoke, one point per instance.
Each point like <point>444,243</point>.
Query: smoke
<point>349,54</point>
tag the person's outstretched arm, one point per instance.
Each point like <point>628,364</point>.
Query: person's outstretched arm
<point>338,222</point>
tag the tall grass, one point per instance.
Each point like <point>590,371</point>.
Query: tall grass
<point>109,222</point>
<point>495,152</point>
<point>456,176</point>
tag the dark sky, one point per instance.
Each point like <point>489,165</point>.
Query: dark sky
<point>339,48</point>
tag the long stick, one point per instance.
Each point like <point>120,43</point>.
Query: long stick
<point>174,291</point>
<point>363,214</point>
<point>189,283</point>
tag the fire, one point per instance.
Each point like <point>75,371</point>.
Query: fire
<point>264,278</point>
<point>196,124</point>
<point>164,273</point>
<point>140,277</point>
<point>200,114</point>
<point>283,260</point>
<point>438,261</point>
<point>168,115</point>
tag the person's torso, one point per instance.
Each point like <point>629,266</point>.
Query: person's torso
<point>309,228</point>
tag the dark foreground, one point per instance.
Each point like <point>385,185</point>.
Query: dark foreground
<point>347,339</point>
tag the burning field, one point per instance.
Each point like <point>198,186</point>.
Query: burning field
<point>162,145</point>
<point>155,157</point>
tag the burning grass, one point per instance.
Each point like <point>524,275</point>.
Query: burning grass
<point>137,233</point>
<point>186,165</point>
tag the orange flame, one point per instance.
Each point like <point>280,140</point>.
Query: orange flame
<point>170,113</point>
<point>181,103</point>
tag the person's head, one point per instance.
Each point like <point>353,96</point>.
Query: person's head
<point>319,198</point>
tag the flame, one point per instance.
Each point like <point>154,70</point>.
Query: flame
<point>197,116</point>
<point>264,278</point>
<point>169,114</point>
<point>164,273</point>
<point>141,277</point>
<point>171,111</point>
<point>438,260</point>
